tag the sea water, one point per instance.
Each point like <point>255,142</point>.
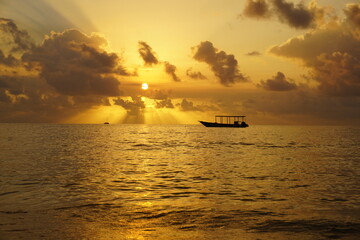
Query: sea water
<point>179,182</point>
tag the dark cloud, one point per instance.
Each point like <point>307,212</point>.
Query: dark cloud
<point>19,40</point>
<point>9,60</point>
<point>194,74</point>
<point>12,41</point>
<point>171,69</point>
<point>278,83</point>
<point>67,74</point>
<point>338,73</point>
<point>253,53</point>
<point>91,100</point>
<point>75,64</point>
<point>147,54</point>
<point>159,94</point>
<point>257,9</point>
<point>12,84</point>
<point>304,106</point>
<point>332,54</point>
<point>31,99</point>
<point>133,107</point>
<point>352,12</point>
<point>165,103</point>
<point>224,66</point>
<point>3,84</point>
<point>149,57</point>
<point>186,105</point>
<point>296,16</point>
<point>161,98</point>
<point>4,98</point>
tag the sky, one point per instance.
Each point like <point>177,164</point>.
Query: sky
<point>275,61</point>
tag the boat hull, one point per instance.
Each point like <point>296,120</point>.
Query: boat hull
<point>212,124</point>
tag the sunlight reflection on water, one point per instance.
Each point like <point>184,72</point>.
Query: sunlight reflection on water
<point>178,182</point>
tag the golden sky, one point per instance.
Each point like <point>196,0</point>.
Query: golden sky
<point>275,61</point>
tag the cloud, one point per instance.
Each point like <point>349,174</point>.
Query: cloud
<point>338,73</point>
<point>278,83</point>
<point>257,9</point>
<point>9,60</point>
<point>158,94</point>
<point>31,99</point>
<point>12,84</point>
<point>224,66</point>
<point>352,12</point>
<point>195,75</point>
<point>253,53</point>
<point>12,41</point>
<point>3,83</point>
<point>67,74</point>
<point>331,53</point>
<point>75,64</point>
<point>304,106</point>
<point>310,45</point>
<point>295,16</point>
<point>186,105</point>
<point>161,98</point>
<point>133,107</point>
<point>149,57</point>
<point>18,39</point>
<point>41,16</point>
<point>171,69</point>
<point>147,54</point>
<point>4,98</point>
<point>165,103</point>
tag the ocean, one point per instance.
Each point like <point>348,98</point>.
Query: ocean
<point>179,182</point>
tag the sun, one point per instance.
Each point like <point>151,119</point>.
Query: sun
<point>144,86</point>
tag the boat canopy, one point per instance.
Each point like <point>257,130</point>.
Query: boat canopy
<point>229,119</point>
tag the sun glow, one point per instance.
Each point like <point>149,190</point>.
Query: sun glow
<point>144,86</point>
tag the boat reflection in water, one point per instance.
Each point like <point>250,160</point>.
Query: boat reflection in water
<point>227,121</point>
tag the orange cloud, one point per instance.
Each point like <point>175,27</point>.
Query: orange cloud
<point>333,56</point>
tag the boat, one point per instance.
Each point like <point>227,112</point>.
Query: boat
<point>227,121</point>
<point>106,123</point>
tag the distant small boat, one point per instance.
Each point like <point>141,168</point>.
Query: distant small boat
<point>227,121</point>
<point>106,123</point>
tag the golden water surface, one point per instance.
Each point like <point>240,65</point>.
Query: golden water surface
<point>178,182</point>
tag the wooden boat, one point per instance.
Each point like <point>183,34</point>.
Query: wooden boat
<point>227,121</point>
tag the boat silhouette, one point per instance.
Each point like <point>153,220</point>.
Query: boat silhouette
<point>227,121</point>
